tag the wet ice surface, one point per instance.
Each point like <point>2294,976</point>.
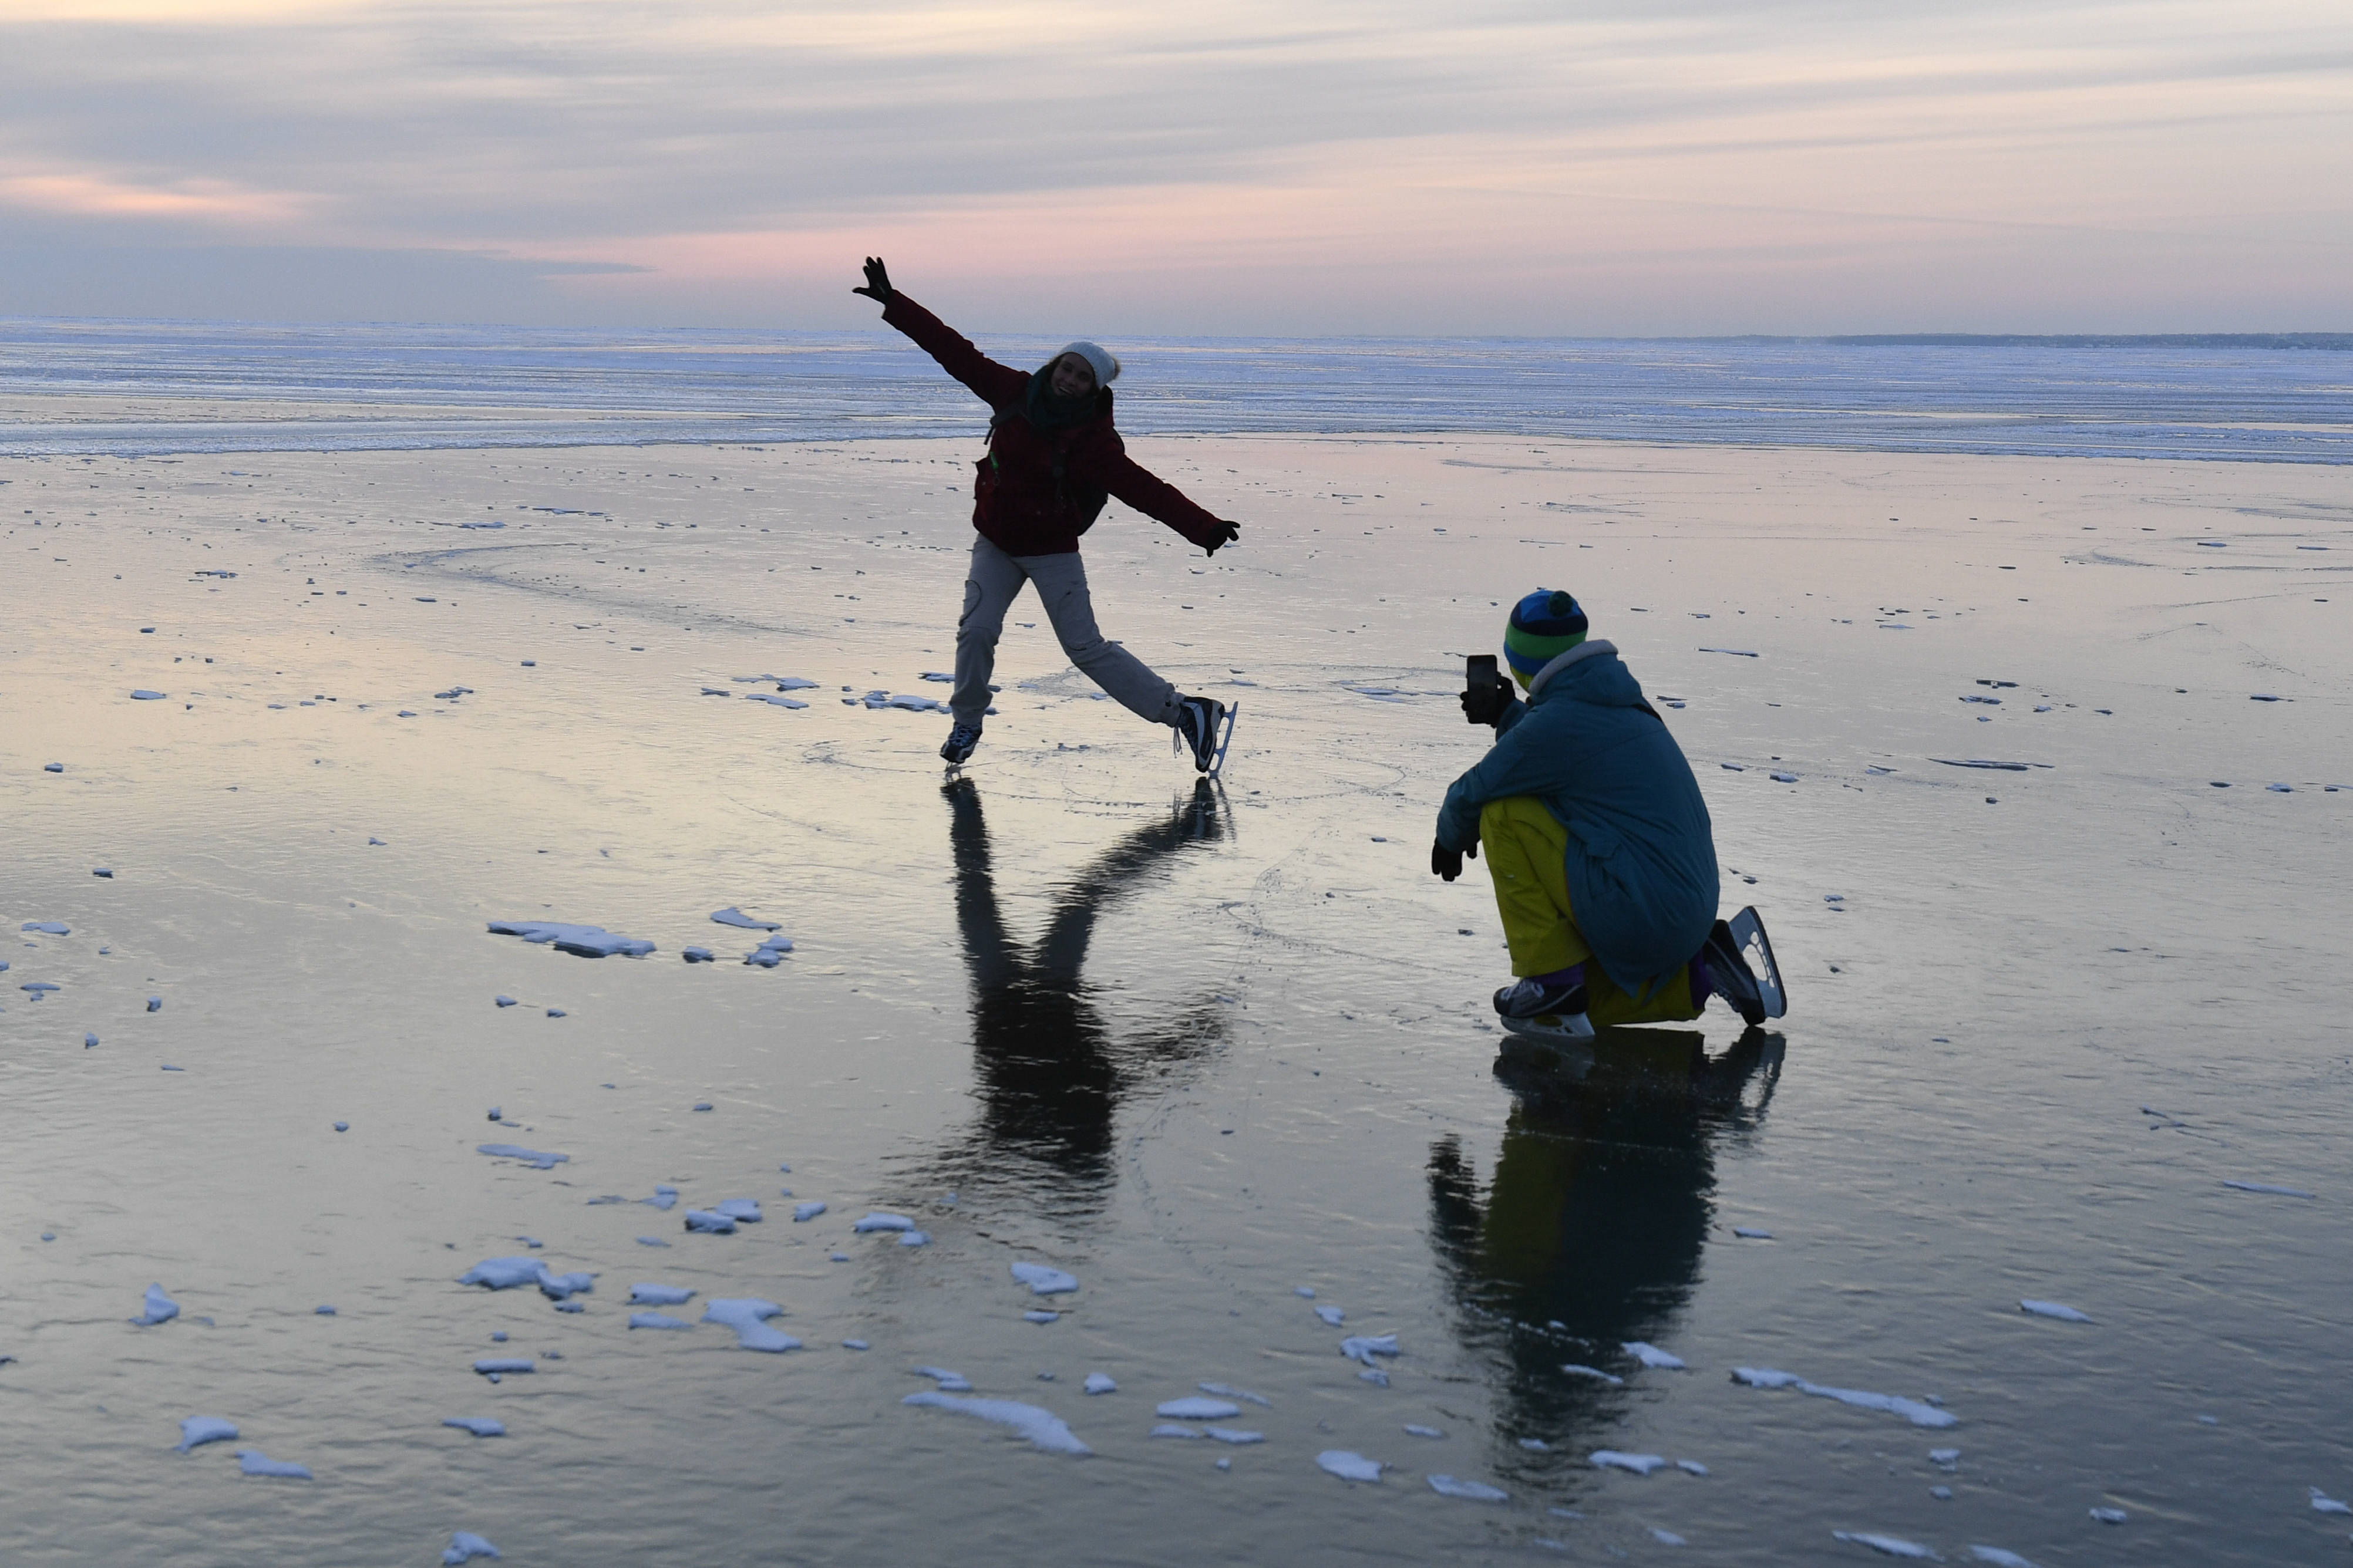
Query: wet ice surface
<point>1131,1034</point>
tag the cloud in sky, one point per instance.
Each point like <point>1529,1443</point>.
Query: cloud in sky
<point>1294,165</point>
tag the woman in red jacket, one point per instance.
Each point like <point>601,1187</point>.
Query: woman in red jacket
<point>1053,462</point>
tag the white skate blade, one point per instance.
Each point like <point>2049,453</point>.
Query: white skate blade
<point>1225,739</point>
<point>1551,1026</point>
<point>1748,937</point>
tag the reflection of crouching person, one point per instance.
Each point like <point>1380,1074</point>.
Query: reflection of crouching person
<point>1597,839</point>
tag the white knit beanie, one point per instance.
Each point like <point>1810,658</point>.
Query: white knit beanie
<point>1106,368</point>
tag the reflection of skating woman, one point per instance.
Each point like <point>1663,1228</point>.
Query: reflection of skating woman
<point>1053,460</point>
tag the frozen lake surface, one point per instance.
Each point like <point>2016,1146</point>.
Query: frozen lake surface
<point>131,388</point>
<point>2065,1031</point>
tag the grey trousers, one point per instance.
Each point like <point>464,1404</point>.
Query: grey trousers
<point>1061,581</point>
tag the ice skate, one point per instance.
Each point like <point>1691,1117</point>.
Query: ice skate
<point>1206,727</point>
<point>957,749</point>
<point>1754,990</point>
<point>1543,1011</point>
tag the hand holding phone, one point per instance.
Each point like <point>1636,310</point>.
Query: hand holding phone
<point>1486,694</point>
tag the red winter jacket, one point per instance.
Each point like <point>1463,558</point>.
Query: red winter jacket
<point>1019,503</point>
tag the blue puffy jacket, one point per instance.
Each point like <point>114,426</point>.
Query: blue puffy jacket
<point>1641,853</point>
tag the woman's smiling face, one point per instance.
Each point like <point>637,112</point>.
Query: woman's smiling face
<point>1073,377</point>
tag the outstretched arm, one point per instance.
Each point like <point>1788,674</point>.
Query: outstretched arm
<point>994,384</point>
<point>1114,470</point>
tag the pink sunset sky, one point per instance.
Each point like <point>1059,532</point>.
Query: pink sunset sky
<point>1284,167</point>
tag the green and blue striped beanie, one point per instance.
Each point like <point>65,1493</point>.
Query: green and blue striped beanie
<point>1545,624</point>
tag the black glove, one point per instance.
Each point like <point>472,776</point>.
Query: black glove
<point>1486,704</point>
<point>1448,863</point>
<point>1225,533</point>
<point>878,282</point>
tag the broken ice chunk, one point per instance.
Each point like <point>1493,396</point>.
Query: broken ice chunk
<point>1476,1491</point>
<point>159,1309</point>
<point>2065,1314</point>
<point>915,1238</point>
<point>1999,1557</point>
<point>538,1158</point>
<point>1101,1382</point>
<point>743,1210</point>
<point>1041,1315</point>
<point>1224,1391</point>
<point>1348,1465</point>
<point>1690,1467</point>
<point>1045,1281</point>
<point>254,1462</point>
<point>1750,1233</point>
<point>143,695</point>
<point>698,956</point>
<point>1306,1291</point>
<point>656,1320</point>
<point>1611,1460</point>
<point>560,1286</point>
<point>53,928</point>
<point>479,1425</point>
<point>1912,1410</point>
<point>660,1295</point>
<point>154,1004</point>
<point>1333,1316</point>
<point>2323,1503</point>
<point>1365,1347</point>
<point>733,916</point>
<point>1169,1429</point>
<point>1229,1435</point>
<point>587,942</point>
<point>1042,1428</point>
<point>1652,1357</point>
<point>1892,1545</point>
<point>504,1273</point>
<point>1576,1369</point>
<point>881,1221</point>
<point>806,1211</point>
<point>665,1197</point>
<point>713,1224</point>
<point>1192,1409</point>
<point>747,1316</point>
<point>464,1547</point>
<point>954,1382</point>
<point>195,1431</point>
<point>495,1367</point>
<point>1414,1431</point>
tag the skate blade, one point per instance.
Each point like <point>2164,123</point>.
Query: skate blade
<point>1225,739</point>
<point>1748,937</point>
<point>1551,1026</point>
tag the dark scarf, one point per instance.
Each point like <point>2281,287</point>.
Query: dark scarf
<point>1048,413</point>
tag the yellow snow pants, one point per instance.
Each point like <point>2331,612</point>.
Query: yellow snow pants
<point>1526,854</point>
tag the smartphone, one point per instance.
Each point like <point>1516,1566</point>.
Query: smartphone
<point>1481,678</point>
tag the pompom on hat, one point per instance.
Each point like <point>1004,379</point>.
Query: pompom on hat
<point>1099,359</point>
<point>1545,624</point>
